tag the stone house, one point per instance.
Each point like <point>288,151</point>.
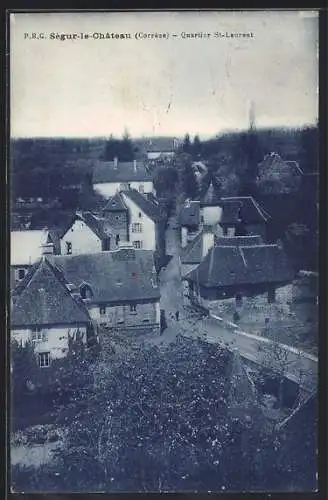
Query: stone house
<point>119,288</point>
<point>237,270</point>
<point>190,221</point>
<point>87,233</point>
<point>47,312</point>
<point>116,213</point>
<point>110,177</point>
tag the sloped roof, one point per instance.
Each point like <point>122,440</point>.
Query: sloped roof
<point>115,203</point>
<point>105,171</point>
<point>116,276</point>
<point>190,214</point>
<point>25,246</point>
<point>44,299</point>
<point>99,225</point>
<point>256,264</point>
<point>193,252</point>
<point>244,207</point>
<point>274,162</point>
<point>150,208</point>
<point>231,241</point>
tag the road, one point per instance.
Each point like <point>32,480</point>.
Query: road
<point>298,367</point>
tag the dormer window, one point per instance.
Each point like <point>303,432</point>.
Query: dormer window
<point>21,274</point>
<point>68,248</point>
<point>86,291</point>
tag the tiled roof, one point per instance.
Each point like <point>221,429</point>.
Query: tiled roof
<point>273,162</point>
<point>44,299</point>
<point>160,144</point>
<point>25,246</point>
<point>148,207</point>
<point>116,276</point>
<point>244,207</point>
<point>100,226</point>
<point>192,253</point>
<point>105,171</point>
<point>244,241</point>
<point>115,203</point>
<point>190,215</point>
<point>225,266</point>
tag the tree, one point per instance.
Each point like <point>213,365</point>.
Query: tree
<point>157,419</point>
<point>186,145</point>
<point>196,148</point>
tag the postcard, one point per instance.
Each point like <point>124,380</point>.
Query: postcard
<point>163,251</point>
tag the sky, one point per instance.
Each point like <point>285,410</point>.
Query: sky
<point>96,87</point>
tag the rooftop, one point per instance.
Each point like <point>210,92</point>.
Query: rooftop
<point>43,298</point>
<point>121,275</point>
<point>100,226</point>
<point>115,203</point>
<point>245,208</point>
<point>230,265</point>
<point>190,214</point>
<point>106,171</point>
<point>148,206</point>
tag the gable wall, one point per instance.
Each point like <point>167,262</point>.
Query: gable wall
<point>108,189</point>
<point>148,234</point>
<point>82,238</point>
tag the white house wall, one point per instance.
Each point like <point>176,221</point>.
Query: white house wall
<point>148,233</point>
<point>108,189</point>
<point>122,316</point>
<point>211,215</point>
<point>57,339</point>
<point>82,238</point>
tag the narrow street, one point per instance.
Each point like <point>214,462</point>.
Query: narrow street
<point>300,369</point>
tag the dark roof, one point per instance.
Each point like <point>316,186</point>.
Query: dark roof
<point>115,203</point>
<point>150,208</point>
<point>99,225</point>
<point>44,299</point>
<point>121,275</point>
<point>244,207</point>
<point>232,241</point>
<point>190,215</point>
<point>105,171</point>
<point>225,266</point>
<point>274,162</point>
<point>193,252</point>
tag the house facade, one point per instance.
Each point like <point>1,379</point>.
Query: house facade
<point>87,233</point>
<point>110,177</point>
<point>45,312</point>
<point>117,214</point>
<point>119,288</point>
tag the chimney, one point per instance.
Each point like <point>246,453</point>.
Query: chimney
<point>115,162</point>
<point>134,165</point>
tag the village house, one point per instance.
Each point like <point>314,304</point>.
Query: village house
<point>241,216</point>
<point>46,312</point>
<point>190,221</point>
<point>233,269</point>
<point>278,176</point>
<point>26,248</point>
<point>146,223</point>
<point>116,212</point>
<point>161,147</point>
<point>112,176</point>
<point>210,204</point>
<point>119,288</point>
<point>87,233</point>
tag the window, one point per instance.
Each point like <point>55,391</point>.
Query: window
<point>117,239</point>
<point>38,334</point>
<point>102,310</point>
<point>141,188</point>
<point>136,227</point>
<point>21,274</point>
<point>68,247</point>
<point>133,308</point>
<point>140,215</point>
<point>137,244</point>
<point>44,359</point>
<point>86,291</point>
